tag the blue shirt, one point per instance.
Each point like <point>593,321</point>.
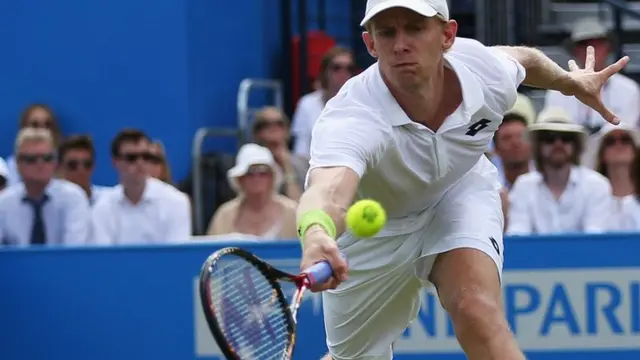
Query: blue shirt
<point>66,214</point>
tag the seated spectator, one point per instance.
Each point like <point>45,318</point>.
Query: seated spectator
<point>77,159</point>
<point>630,212</point>
<point>158,165</point>
<point>271,130</point>
<point>141,209</point>
<point>615,156</point>
<point>336,67</point>
<point>4,174</point>
<point>511,143</point>
<point>35,116</point>
<point>621,94</point>
<point>561,196</point>
<point>258,209</point>
<point>42,210</point>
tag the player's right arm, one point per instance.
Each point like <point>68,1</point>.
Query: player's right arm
<point>347,139</point>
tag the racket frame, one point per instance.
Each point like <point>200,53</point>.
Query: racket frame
<point>273,276</point>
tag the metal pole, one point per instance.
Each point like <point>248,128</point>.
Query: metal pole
<point>322,14</point>
<point>303,51</point>
<point>617,23</point>
<point>287,36</point>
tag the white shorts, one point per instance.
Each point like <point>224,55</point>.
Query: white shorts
<point>371,310</point>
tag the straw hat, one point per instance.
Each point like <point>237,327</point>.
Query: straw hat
<point>556,119</point>
<point>524,108</point>
<point>249,155</point>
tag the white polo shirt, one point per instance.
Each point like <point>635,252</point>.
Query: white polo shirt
<point>163,215</point>
<point>402,164</point>
<point>584,207</point>
<point>630,213</point>
<point>621,94</point>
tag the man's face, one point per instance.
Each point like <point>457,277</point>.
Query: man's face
<point>339,71</point>
<point>408,46</point>
<point>512,144</point>
<point>36,162</point>
<point>77,166</point>
<point>557,147</point>
<point>132,161</point>
<point>602,49</point>
<point>271,131</point>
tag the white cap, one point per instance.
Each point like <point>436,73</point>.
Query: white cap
<point>426,8</point>
<point>249,155</point>
<point>4,169</point>
<point>588,29</point>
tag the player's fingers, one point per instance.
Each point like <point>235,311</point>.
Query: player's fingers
<point>590,61</point>
<point>337,261</point>
<point>616,67</point>
<point>607,114</point>
<point>572,65</point>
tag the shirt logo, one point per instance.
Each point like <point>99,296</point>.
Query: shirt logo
<point>477,127</point>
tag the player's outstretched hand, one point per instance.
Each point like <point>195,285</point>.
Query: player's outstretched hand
<point>587,83</point>
<point>318,246</point>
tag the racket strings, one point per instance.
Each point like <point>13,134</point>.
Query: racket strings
<point>248,310</point>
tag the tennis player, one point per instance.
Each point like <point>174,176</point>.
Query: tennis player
<point>411,132</point>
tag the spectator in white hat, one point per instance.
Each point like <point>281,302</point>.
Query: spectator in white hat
<point>561,196</point>
<point>630,204</point>
<point>258,210</point>
<point>511,144</point>
<point>621,94</point>
<point>612,154</point>
<point>4,174</point>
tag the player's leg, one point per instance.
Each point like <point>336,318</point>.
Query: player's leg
<point>369,311</point>
<point>464,262</point>
<point>469,289</point>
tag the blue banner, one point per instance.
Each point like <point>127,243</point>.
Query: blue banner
<point>566,298</point>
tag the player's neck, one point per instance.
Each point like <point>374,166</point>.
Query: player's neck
<point>433,101</point>
<point>620,179</point>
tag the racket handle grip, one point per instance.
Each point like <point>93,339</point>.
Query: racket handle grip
<point>320,272</point>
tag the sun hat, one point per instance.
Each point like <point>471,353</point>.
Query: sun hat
<point>426,8</point>
<point>4,169</point>
<point>556,119</point>
<point>250,155</point>
<point>524,108</point>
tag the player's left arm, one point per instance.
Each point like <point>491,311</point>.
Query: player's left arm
<point>585,84</point>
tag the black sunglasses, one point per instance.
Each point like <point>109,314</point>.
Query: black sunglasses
<point>75,164</point>
<point>624,139</point>
<point>133,157</point>
<point>335,67</point>
<point>261,125</point>
<point>550,137</point>
<point>33,158</point>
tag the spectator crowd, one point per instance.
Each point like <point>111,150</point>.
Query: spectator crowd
<point>563,170</point>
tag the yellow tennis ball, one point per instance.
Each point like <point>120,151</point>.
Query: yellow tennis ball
<point>365,218</point>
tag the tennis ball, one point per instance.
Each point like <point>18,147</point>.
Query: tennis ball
<point>365,218</point>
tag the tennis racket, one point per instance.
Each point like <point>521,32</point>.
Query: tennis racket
<point>246,308</point>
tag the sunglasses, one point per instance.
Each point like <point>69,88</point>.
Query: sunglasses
<point>549,137</point>
<point>260,170</point>
<point>75,164</point>
<point>133,157</point>
<point>40,123</point>
<point>34,158</point>
<point>336,67</point>
<point>624,139</point>
<point>3,182</point>
<point>261,125</point>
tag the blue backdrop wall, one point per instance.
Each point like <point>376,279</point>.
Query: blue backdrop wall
<point>168,67</point>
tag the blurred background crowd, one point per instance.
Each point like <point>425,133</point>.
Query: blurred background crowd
<point>106,178</point>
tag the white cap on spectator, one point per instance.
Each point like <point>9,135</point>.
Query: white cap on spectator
<point>249,155</point>
<point>590,158</point>
<point>524,108</point>
<point>4,169</point>
<point>588,29</point>
<point>426,8</point>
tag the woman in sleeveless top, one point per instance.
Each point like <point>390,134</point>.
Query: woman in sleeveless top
<point>258,210</point>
